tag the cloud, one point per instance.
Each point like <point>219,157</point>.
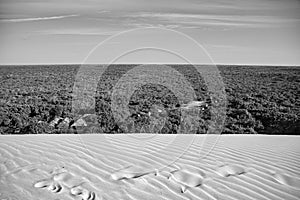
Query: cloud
<point>149,25</point>
<point>37,18</point>
<point>103,11</point>
<point>198,20</point>
<point>82,31</point>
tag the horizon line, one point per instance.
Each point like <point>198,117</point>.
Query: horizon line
<point>170,63</point>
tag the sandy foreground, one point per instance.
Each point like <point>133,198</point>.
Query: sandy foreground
<point>141,166</point>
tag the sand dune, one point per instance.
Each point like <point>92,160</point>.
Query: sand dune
<point>166,167</point>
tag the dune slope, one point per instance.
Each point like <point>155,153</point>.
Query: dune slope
<point>166,167</point>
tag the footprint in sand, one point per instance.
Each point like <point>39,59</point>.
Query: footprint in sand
<point>131,173</point>
<point>50,185</point>
<point>230,170</point>
<point>187,179</point>
<point>83,193</point>
<point>42,183</point>
<point>285,179</point>
<point>61,179</point>
<point>55,187</point>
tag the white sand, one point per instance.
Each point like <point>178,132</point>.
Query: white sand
<point>37,167</point>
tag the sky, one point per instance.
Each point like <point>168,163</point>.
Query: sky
<point>143,31</point>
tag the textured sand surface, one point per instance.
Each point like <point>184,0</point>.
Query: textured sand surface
<point>166,167</point>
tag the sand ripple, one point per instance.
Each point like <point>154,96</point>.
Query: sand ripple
<point>89,167</point>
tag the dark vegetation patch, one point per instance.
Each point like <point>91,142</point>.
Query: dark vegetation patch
<point>38,99</point>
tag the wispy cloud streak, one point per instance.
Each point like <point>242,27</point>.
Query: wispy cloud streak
<point>182,19</point>
<point>37,18</point>
<point>84,32</point>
